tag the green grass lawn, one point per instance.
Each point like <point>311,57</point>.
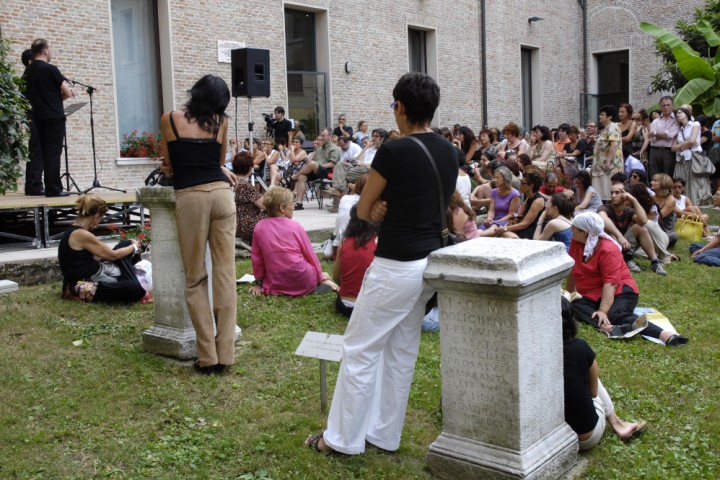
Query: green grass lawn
<point>107,409</point>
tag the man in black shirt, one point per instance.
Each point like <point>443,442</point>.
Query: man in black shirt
<point>343,130</point>
<point>627,225</point>
<point>46,89</point>
<point>281,126</point>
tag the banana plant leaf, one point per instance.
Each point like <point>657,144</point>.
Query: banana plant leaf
<point>692,90</point>
<point>668,38</point>
<point>706,29</point>
<point>693,66</point>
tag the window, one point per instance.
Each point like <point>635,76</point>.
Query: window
<point>613,71</point>
<point>529,86</point>
<point>137,75</point>
<point>307,82</point>
<point>417,50</point>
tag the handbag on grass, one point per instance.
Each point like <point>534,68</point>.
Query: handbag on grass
<point>689,227</point>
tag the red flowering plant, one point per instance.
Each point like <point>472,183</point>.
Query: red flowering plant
<point>142,233</point>
<point>145,144</point>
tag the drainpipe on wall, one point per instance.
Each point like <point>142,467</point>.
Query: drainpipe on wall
<point>584,102</point>
<point>483,46</point>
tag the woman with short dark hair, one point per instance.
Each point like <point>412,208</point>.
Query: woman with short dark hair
<point>608,156</point>
<point>248,201</point>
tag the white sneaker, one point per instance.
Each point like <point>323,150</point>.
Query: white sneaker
<point>658,268</point>
<point>633,267</point>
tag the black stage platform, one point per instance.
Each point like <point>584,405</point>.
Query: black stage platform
<point>38,222</point>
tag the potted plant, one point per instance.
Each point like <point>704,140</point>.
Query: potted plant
<point>141,145</point>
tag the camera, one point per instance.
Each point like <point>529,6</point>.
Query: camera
<point>268,118</point>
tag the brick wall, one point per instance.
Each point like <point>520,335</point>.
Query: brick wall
<point>372,35</point>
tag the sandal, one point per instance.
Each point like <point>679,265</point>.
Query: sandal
<point>313,441</point>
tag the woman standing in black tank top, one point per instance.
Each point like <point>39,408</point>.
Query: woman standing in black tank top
<point>195,141</point>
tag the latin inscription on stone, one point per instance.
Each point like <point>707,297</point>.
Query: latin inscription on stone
<point>479,352</point>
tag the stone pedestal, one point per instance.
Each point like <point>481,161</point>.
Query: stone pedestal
<point>501,360</point>
<point>172,335</point>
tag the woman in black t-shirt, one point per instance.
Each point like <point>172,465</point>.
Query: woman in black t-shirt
<point>382,340</point>
<point>588,405</point>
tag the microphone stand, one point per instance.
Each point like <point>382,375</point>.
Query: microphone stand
<point>96,183</point>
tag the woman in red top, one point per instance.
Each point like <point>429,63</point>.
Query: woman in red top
<point>354,256</point>
<point>600,275</point>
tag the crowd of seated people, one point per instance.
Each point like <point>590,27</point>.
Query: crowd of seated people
<point>507,179</point>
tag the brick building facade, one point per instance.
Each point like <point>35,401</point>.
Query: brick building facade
<point>361,47</point>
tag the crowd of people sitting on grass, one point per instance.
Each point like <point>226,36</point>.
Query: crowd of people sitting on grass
<point>512,184</point>
<point>610,196</point>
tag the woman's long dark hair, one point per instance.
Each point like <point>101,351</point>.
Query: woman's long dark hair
<point>639,191</point>
<point>468,137</point>
<point>209,98</point>
<point>569,327</point>
<point>359,229</point>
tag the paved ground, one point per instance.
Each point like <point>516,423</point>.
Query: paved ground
<point>318,223</point>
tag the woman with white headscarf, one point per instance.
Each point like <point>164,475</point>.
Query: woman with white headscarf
<point>600,275</point>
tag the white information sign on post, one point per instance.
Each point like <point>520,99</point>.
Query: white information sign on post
<point>225,47</point>
<point>324,347</point>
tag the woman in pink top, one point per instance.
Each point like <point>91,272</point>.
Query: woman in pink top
<point>283,260</point>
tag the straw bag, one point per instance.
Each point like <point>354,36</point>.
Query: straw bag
<point>689,227</point>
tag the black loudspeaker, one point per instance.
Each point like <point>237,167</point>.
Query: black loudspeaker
<point>250,72</point>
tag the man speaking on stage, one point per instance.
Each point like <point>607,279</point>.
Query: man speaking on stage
<point>46,89</point>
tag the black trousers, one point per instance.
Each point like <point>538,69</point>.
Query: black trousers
<point>46,144</point>
<point>621,312</point>
<point>127,288</point>
<point>341,308</point>
<point>33,169</point>
<point>661,161</point>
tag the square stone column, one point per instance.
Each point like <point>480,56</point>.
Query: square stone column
<point>501,360</point>
<point>173,334</point>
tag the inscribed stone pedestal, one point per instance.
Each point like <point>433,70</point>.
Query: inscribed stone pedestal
<point>501,360</point>
<point>172,334</point>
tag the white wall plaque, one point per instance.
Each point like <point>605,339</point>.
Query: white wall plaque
<point>224,48</point>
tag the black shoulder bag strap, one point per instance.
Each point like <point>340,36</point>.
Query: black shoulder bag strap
<point>445,233</point>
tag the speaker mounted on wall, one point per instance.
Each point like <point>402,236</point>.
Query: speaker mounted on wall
<point>250,72</point>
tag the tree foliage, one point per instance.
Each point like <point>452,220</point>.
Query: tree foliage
<point>14,130</point>
<point>669,78</point>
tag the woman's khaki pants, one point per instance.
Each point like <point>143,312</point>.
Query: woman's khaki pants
<point>205,215</point>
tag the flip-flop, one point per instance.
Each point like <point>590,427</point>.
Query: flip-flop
<point>640,428</point>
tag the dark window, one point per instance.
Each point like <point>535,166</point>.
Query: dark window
<point>417,50</point>
<point>613,78</point>
<point>526,75</point>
